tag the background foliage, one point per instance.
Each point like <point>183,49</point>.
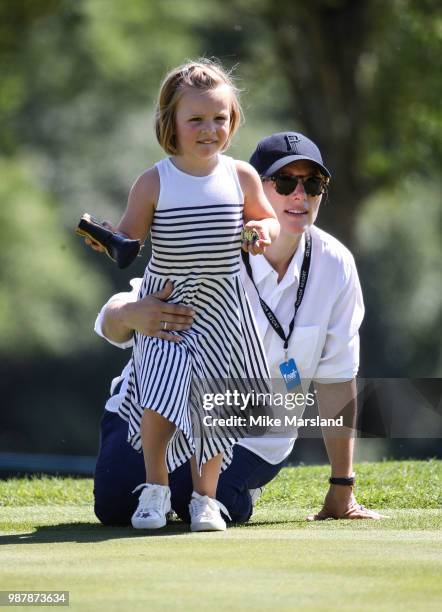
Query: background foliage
<point>78,85</point>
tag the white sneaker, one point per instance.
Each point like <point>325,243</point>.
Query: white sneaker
<point>255,494</point>
<point>153,505</point>
<point>205,513</point>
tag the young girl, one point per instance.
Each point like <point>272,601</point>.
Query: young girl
<point>194,203</point>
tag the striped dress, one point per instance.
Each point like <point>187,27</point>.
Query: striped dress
<point>196,244</point>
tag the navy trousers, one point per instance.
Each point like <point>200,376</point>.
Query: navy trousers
<point>120,469</point>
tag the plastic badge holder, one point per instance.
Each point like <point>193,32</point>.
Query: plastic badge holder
<point>120,249</point>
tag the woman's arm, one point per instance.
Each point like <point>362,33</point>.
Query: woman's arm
<point>339,398</point>
<point>122,317</point>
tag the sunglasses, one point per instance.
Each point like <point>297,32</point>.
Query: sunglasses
<point>285,184</point>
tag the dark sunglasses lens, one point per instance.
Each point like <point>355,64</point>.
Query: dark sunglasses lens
<point>313,186</point>
<point>285,185</point>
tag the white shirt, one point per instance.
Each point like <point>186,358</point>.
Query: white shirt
<point>325,339</point>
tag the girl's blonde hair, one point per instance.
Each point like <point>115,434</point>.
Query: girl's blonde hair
<point>203,74</point>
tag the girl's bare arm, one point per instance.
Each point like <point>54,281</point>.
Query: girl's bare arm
<point>258,212</point>
<point>142,200</point>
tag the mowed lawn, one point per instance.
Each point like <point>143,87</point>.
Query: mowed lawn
<point>51,540</point>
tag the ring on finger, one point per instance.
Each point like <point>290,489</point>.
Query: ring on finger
<point>165,325</point>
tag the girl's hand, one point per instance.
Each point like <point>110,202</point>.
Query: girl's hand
<point>258,247</point>
<point>256,206</point>
<point>94,245</point>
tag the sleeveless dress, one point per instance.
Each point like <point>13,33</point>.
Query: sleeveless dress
<point>195,235</point>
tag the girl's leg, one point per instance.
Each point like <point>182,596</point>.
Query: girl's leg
<point>206,482</point>
<point>156,432</point>
<point>154,501</point>
<point>205,511</point>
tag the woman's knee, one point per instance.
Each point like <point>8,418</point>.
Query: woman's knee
<point>237,501</point>
<point>110,513</point>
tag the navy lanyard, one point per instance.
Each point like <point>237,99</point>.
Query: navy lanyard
<point>300,294</point>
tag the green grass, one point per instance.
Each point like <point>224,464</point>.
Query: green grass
<point>52,540</point>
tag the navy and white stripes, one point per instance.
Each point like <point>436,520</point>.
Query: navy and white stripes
<point>205,240</point>
<point>197,246</point>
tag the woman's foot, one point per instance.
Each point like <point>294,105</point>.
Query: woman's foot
<point>153,506</point>
<point>255,494</point>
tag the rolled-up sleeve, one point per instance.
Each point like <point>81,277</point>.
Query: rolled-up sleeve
<point>126,296</point>
<point>340,355</point>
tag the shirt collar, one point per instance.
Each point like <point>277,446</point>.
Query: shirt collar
<point>262,270</point>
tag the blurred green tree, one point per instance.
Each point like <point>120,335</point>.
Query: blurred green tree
<point>400,263</point>
<point>357,77</point>
<point>78,84</point>
<point>79,80</point>
<point>47,293</point>
<point>74,75</point>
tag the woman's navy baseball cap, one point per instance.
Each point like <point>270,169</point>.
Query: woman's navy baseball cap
<point>278,150</point>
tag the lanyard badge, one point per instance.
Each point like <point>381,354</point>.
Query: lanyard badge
<point>288,368</point>
<point>290,374</point>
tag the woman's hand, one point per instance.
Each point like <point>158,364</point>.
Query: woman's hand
<point>151,316</point>
<point>340,503</point>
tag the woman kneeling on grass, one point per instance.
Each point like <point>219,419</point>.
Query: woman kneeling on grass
<point>320,335</point>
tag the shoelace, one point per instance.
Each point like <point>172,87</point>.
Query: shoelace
<point>152,496</point>
<point>212,503</point>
